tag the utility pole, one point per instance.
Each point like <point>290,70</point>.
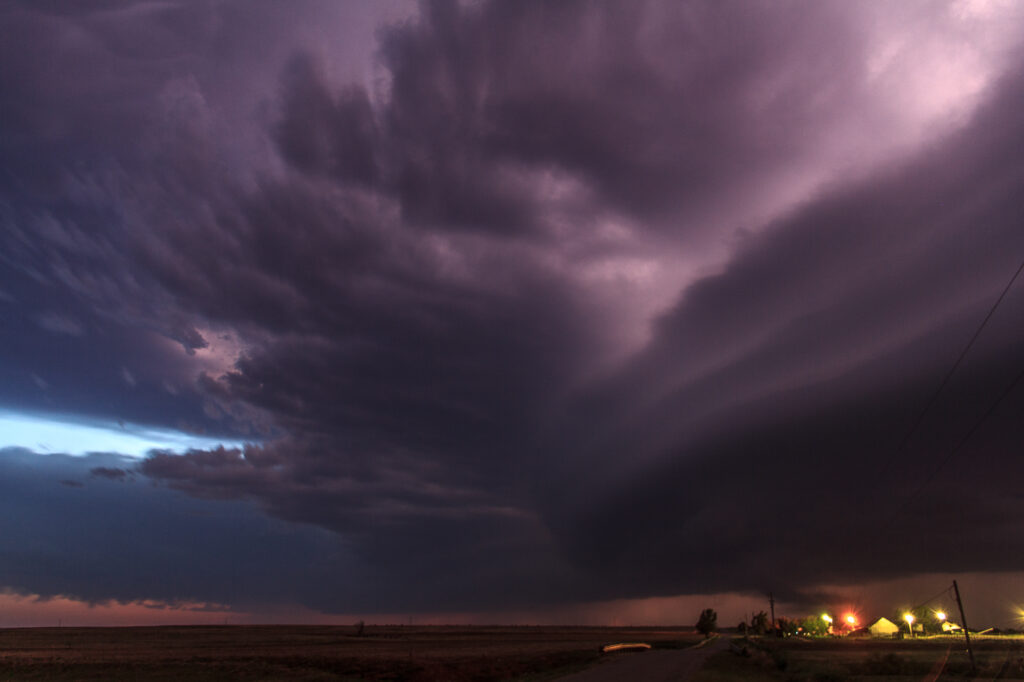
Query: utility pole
<point>771,601</point>
<point>963,619</point>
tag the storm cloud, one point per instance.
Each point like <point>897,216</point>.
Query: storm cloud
<point>524,303</point>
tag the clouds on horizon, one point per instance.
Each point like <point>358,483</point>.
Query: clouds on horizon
<point>573,302</point>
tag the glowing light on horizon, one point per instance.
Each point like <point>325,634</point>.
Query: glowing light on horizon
<point>46,434</point>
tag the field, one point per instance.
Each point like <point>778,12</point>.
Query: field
<point>202,653</point>
<point>312,652</point>
<point>824,660</point>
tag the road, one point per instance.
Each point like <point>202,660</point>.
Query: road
<point>651,666</point>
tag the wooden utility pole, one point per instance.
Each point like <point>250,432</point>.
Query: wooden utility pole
<point>963,619</point>
<point>771,602</point>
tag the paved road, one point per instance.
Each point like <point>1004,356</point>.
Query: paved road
<point>650,666</point>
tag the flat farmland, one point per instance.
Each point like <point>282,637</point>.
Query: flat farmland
<point>937,659</point>
<point>199,653</point>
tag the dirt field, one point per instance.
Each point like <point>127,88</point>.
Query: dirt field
<point>460,654</point>
<point>313,653</point>
<point>938,659</point>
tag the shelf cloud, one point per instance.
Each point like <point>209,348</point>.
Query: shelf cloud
<point>494,306</point>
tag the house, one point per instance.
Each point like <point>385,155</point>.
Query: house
<point>949,627</point>
<point>883,627</point>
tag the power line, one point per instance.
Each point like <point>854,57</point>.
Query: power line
<point>906,500</point>
<point>963,354</point>
<point>945,380</point>
<point>945,590</point>
<point>967,436</point>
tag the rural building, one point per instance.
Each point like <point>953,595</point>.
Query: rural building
<point>949,627</point>
<point>883,627</point>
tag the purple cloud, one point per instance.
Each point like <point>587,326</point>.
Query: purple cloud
<point>557,299</point>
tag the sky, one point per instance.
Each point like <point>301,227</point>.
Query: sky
<point>523,312</point>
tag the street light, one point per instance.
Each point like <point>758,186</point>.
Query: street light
<point>940,615</point>
<point>909,617</point>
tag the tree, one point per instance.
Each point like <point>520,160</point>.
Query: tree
<point>814,625</point>
<point>787,626</point>
<point>708,622</point>
<point>928,619</point>
<point>759,623</point>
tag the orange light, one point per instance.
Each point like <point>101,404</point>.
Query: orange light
<point>851,619</point>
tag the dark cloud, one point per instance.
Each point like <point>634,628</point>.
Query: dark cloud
<point>411,293</point>
<point>120,539</point>
<point>775,397</point>
<point>112,473</point>
<point>644,110</point>
<point>88,375</point>
<point>190,339</point>
<point>324,133</point>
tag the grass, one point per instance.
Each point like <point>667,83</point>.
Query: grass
<point>524,654</point>
<point>464,654</point>
<point>828,660</point>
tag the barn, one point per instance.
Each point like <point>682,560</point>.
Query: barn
<point>883,627</point>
